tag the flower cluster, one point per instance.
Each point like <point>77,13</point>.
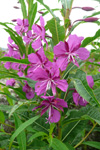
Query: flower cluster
<point>41,69</point>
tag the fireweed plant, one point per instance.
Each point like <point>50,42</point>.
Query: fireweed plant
<point>52,81</point>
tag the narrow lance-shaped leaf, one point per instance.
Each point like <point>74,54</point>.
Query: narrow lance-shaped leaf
<point>10,59</point>
<point>83,88</point>
<point>21,128</point>
<point>38,134</point>
<point>23,8</point>
<point>88,40</point>
<point>58,145</point>
<point>57,31</point>
<point>21,138</point>
<point>92,144</point>
<point>32,14</point>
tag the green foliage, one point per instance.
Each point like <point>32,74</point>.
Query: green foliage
<point>56,30</point>
<point>67,4</point>
<point>83,88</point>
<point>21,128</point>
<point>32,14</point>
<point>21,138</point>
<point>88,40</point>
<point>23,8</point>
<point>93,144</point>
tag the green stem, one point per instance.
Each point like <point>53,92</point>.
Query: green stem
<point>7,124</point>
<point>59,130</point>
<point>85,136</point>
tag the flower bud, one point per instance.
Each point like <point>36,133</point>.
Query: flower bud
<point>40,12</point>
<point>90,19</point>
<point>14,20</point>
<point>87,8</point>
<point>16,7</point>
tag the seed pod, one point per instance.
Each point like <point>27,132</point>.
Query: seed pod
<point>87,8</point>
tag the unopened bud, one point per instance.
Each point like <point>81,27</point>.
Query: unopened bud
<point>40,12</point>
<point>16,7</point>
<point>87,8</point>
<point>14,20</point>
<point>90,19</point>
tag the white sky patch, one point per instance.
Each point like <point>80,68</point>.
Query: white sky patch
<point>7,13</point>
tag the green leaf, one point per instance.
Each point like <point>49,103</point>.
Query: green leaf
<point>88,113</point>
<point>21,138</point>
<point>96,77</point>
<point>10,96</point>
<point>21,128</point>
<point>37,135</point>
<point>83,88</point>
<point>23,8</point>
<point>67,4</point>
<point>57,31</point>
<point>32,14</point>
<point>97,93</point>
<point>88,40</point>
<point>2,117</point>
<point>5,107</point>
<point>92,144</point>
<point>10,59</point>
<point>10,101</point>
<point>48,9</point>
<point>58,145</point>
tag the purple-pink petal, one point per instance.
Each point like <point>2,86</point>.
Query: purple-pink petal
<point>90,81</point>
<point>76,98</point>
<point>42,21</point>
<point>54,116</point>
<point>74,42</point>
<point>62,84</point>
<point>83,53</point>
<point>40,87</point>
<point>10,82</point>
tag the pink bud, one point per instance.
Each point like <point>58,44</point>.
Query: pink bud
<point>87,8</point>
<point>90,19</point>
<point>14,20</point>
<point>40,12</point>
<point>16,7</point>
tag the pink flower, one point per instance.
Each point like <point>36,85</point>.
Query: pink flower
<point>66,52</point>
<point>49,78</point>
<point>29,37</point>
<point>22,26</point>
<point>10,82</point>
<point>50,104</point>
<point>78,100</point>
<point>37,60</point>
<point>28,90</point>
<point>40,33</point>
